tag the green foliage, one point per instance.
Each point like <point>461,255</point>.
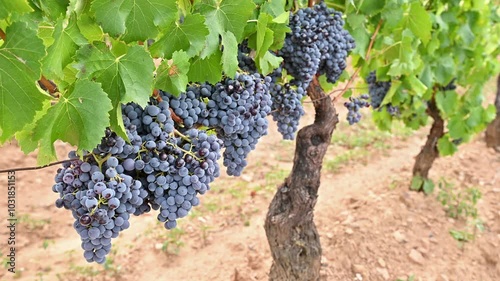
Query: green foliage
<point>458,203</point>
<point>101,54</point>
<point>420,183</point>
<point>461,204</point>
<point>421,46</point>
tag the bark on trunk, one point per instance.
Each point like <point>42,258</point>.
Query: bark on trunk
<point>429,152</point>
<point>290,229</point>
<point>493,130</point>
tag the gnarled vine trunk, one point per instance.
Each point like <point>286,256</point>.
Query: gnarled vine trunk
<point>493,130</point>
<point>290,229</point>
<point>429,152</point>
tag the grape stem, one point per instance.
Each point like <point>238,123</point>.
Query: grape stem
<point>310,3</point>
<point>184,137</point>
<point>2,34</point>
<point>35,167</point>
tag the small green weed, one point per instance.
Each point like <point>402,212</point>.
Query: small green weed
<point>461,204</point>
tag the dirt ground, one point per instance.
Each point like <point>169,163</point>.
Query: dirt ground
<point>372,227</point>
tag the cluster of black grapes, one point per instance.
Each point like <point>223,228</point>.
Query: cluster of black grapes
<point>163,167</point>
<point>286,108</point>
<point>237,109</point>
<point>353,106</point>
<point>378,90</point>
<point>317,44</point>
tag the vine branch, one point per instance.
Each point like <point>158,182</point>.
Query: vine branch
<point>35,167</point>
<point>310,3</point>
<point>2,34</point>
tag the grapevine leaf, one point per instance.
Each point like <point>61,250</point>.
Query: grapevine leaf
<point>419,21</point>
<point>445,146</point>
<point>444,70</point>
<point>268,62</point>
<point>467,35</point>
<point>208,69</point>
<point>416,182</point>
<point>227,15</point>
<point>145,16</point>
<point>20,98</point>
<point>372,7</point>
<point>447,102</point>
<point>111,15</point>
<point>416,85</point>
<point>124,77</point>
<point>362,39</point>
<point>52,9</point>
<point>428,186</point>
<point>230,54</point>
<point>188,36</point>
<point>282,18</point>
<point>89,28</point>
<point>79,118</point>
<point>264,35</point>
<point>13,6</point>
<point>61,52</point>
<point>172,77</point>
<point>25,136</point>
<point>135,20</point>
<point>275,8</point>
<point>457,127</point>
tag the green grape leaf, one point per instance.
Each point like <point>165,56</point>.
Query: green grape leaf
<point>416,85</point>
<point>362,39</point>
<point>51,9</point>
<point>428,186</point>
<point>416,182</point>
<point>172,77</point>
<point>268,63</point>
<point>187,36</point>
<point>20,98</point>
<point>445,146</point>
<point>13,6</point>
<point>208,69</point>
<point>230,54</point>
<point>274,8</point>
<point>79,118</point>
<point>89,28</point>
<point>371,8</point>
<point>25,136</point>
<point>419,21</point>
<point>447,102</point>
<point>124,77</point>
<point>456,127</point>
<point>227,15</point>
<point>135,20</point>
<point>61,52</point>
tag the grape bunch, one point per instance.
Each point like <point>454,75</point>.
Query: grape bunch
<point>101,203</point>
<point>237,110</point>
<point>353,106</point>
<point>164,166</point>
<point>317,44</point>
<point>378,90</point>
<point>287,108</point>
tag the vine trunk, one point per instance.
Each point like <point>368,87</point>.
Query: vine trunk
<point>429,152</point>
<point>290,229</point>
<point>493,130</point>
